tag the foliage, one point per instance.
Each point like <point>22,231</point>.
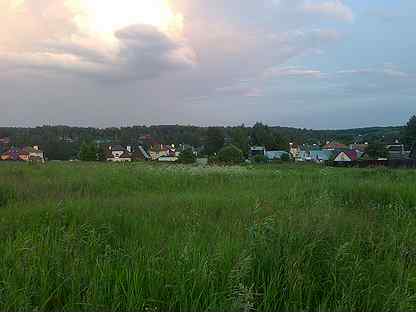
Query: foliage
<point>139,237</point>
<point>410,131</point>
<point>187,157</point>
<point>230,154</point>
<point>214,140</point>
<point>240,137</point>
<point>63,143</point>
<point>260,159</point>
<point>376,150</point>
<point>88,152</point>
<point>101,153</point>
<point>262,135</point>
<point>285,157</point>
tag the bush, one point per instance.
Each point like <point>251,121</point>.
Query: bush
<point>285,157</point>
<point>187,157</point>
<point>230,154</point>
<point>260,159</point>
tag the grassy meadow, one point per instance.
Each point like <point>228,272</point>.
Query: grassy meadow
<point>138,237</point>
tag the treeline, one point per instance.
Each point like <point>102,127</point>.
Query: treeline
<point>63,142</point>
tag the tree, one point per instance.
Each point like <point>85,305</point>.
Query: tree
<point>215,140</point>
<point>376,150</point>
<point>240,137</point>
<point>230,154</point>
<point>101,154</point>
<point>187,157</point>
<point>280,143</point>
<point>88,152</point>
<point>410,131</point>
<point>262,135</point>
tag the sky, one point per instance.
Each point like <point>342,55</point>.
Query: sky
<point>320,64</point>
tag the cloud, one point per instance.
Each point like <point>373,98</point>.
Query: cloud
<point>333,9</point>
<point>292,72</point>
<point>387,70</point>
<point>136,52</point>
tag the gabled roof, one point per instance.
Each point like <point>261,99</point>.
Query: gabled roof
<point>351,154</point>
<point>125,155</point>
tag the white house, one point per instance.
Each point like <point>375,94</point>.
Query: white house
<point>118,153</point>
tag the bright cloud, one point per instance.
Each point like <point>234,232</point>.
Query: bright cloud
<point>335,9</point>
<point>104,40</point>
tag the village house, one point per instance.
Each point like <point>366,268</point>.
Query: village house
<point>139,153</point>
<point>305,150</point>
<point>28,154</point>
<point>347,156</point>
<point>35,154</point>
<point>359,147</point>
<point>396,151</point>
<point>333,146</point>
<point>276,155</point>
<point>320,156</point>
<point>117,153</point>
<point>294,150</point>
<point>257,150</point>
<point>160,150</point>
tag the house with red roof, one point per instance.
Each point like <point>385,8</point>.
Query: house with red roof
<point>347,156</point>
<point>32,154</point>
<point>333,146</point>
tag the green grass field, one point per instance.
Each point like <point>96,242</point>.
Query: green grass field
<point>99,237</point>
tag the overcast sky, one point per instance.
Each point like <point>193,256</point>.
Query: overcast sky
<point>302,63</point>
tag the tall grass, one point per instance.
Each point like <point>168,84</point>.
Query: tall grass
<point>82,237</point>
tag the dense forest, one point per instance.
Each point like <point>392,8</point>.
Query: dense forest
<point>63,142</point>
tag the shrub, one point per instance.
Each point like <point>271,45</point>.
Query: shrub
<point>230,154</point>
<point>285,157</point>
<point>187,157</point>
<point>260,159</point>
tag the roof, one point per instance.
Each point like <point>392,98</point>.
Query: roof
<point>275,154</point>
<point>320,155</point>
<point>334,145</point>
<point>395,148</point>
<point>30,149</point>
<point>353,155</point>
<point>360,147</point>
<point>125,155</point>
<point>14,153</point>
<point>140,153</point>
<point>117,148</point>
